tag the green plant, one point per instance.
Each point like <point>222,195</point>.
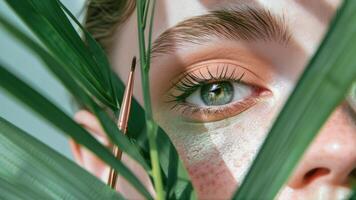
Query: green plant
<point>82,67</point>
<point>152,127</point>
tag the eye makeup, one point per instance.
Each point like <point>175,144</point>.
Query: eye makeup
<point>215,90</point>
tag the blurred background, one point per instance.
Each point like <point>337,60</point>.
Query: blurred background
<point>23,63</point>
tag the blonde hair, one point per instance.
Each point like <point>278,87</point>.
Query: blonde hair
<point>104,16</point>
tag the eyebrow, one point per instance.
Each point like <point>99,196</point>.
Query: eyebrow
<point>242,23</point>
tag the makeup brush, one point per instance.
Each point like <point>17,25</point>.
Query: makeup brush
<point>123,120</point>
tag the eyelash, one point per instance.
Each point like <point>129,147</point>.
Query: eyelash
<point>192,81</point>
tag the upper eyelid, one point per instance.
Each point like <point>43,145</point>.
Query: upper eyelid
<point>218,76</point>
<point>222,75</point>
<point>204,64</point>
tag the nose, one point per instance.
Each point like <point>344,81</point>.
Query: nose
<point>331,158</point>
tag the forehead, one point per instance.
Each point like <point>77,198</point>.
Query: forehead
<point>306,19</point>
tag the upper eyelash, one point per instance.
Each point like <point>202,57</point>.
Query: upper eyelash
<point>193,80</point>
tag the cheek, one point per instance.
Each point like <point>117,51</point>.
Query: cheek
<point>218,155</point>
<point>238,143</point>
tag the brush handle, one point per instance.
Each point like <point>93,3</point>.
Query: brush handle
<point>113,174</point>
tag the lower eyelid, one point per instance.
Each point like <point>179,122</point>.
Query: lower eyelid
<point>197,114</point>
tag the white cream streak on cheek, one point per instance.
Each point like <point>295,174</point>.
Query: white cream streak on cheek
<point>239,142</point>
<point>208,172</point>
<point>218,154</point>
<point>198,148</point>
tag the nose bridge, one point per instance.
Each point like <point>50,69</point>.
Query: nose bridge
<point>332,155</point>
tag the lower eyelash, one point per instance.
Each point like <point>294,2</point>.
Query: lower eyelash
<point>185,107</point>
<point>214,113</point>
<point>192,81</point>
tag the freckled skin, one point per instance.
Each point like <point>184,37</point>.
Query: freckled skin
<point>208,176</point>
<point>218,154</point>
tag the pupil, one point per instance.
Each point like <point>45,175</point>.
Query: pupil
<point>217,91</point>
<point>214,94</point>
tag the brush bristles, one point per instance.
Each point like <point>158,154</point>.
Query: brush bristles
<point>133,64</point>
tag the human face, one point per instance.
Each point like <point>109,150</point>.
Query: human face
<point>228,74</point>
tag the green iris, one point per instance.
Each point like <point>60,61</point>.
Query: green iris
<point>214,94</point>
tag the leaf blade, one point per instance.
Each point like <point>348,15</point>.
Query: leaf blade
<point>56,67</point>
<point>48,22</point>
<point>31,170</point>
<point>42,106</point>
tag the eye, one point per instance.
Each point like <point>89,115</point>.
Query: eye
<point>215,91</point>
<point>219,93</point>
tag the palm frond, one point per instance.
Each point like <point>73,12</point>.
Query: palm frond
<point>56,62</point>
<point>32,170</point>
<point>55,116</point>
<point>51,26</point>
<point>152,127</point>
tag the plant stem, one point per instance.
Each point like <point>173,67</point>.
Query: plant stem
<point>150,124</point>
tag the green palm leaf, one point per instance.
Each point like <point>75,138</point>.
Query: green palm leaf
<point>136,130</point>
<point>54,115</point>
<point>321,88</point>
<point>50,24</point>
<point>32,170</point>
<point>56,67</point>
<point>142,9</point>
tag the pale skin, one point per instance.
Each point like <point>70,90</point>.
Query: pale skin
<point>217,148</point>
